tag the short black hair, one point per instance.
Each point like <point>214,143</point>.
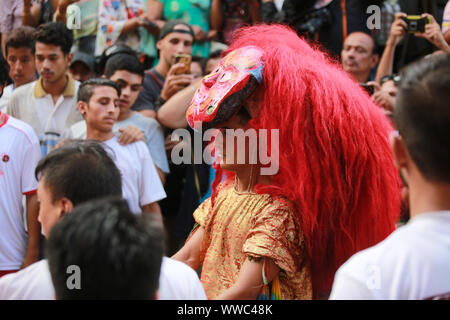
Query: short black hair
<point>118,254</point>
<point>79,171</point>
<point>86,88</point>
<point>123,61</point>
<point>55,33</point>
<point>4,70</point>
<point>422,115</point>
<point>23,36</point>
<point>215,54</point>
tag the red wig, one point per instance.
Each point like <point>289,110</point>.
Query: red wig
<point>335,162</point>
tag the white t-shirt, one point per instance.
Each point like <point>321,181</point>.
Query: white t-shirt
<point>412,263</point>
<point>19,155</point>
<point>141,184</point>
<point>7,93</point>
<point>177,281</point>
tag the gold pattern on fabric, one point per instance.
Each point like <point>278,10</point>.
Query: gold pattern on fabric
<point>257,225</point>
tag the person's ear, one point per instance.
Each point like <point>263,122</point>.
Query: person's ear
<point>400,154</point>
<point>82,107</point>
<point>375,59</point>
<point>69,58</point>
<point>66,205</point>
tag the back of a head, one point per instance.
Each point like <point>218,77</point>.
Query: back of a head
<point>118,254</point>
<point>57,34</point>
<point>123,61</point>
<point>422,116</point>
<point>80,171</point>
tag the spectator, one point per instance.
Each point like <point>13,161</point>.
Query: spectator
<point>446,23</point>
<point>197,66</point>
<point>4,79</point>
<point>49,104</point>
<point>413,262</point>
<point>19,48</point>
<point>196,13</point>
<point>98,102</point>
<point>127,72</point>
<point>359,56</point>
<point>398,30</point>
<point>119,254</point>
<point>386,92</point>
<point>71,175</point>
<point>19,155</point>
<point>119,22</point>
<point>212,61</point>
<point>86,30</point>
<point>326,21</point>
<point>38,12</point>
<point>229,15</point>
<point>10,19</point>
<point>162,82</point>
<point>82,67</point>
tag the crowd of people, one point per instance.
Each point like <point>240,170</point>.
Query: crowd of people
<point>93,94</point>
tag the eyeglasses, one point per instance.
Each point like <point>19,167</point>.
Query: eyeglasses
<point>394,77</point>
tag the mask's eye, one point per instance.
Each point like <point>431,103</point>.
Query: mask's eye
<point>225,77</point>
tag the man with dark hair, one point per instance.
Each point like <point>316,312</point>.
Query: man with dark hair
<point>99,103</point>
<point>359,56</point>
<point>70,175</point>
<point>118,254</point>
<point>413,262</point>
<point>49,104</point>
<point>82,67</point>
<point>162,82</point>
<point>127,72</point>
<point>75,173</point>
<point>19,53</point>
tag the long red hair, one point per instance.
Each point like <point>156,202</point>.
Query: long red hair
<point>335,162</point>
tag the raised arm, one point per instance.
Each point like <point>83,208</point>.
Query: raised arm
<point>398,30</point>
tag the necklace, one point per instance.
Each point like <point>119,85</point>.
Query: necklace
<point>249,186</point>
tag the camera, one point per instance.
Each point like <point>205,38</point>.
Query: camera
<point>416,24</point>
<point>369,88</point>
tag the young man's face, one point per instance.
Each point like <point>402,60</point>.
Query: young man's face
<point>175,43</point>
<point>51,63</point>
<point>22,68</point>
<point>102,110</point>
<point>130,85</point>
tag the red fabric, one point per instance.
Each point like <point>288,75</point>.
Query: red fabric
<point>5,272</point>
<point>335,160</point>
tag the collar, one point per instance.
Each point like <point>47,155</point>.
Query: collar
<point>3,121</point>
<point>69,90</point>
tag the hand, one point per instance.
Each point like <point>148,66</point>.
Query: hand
<point>398,29</point>
<point>200,35</point>
<point>149,25</point>
<point>384,100</point>
<point>433,33</point>
<point>130,135</point>
<point>175,82</point>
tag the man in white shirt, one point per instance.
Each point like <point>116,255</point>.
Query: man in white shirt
<point>127,72</point>
<point>414,261</point>
<point>19,49</point>
<point>98,102</point>
<point>19,154</point>
<point>48,105</point>
<point>73,174</point>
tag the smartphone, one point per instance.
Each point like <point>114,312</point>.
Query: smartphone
<point>370,89</point>
<point>186,59</point>
<point>416,24</point>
